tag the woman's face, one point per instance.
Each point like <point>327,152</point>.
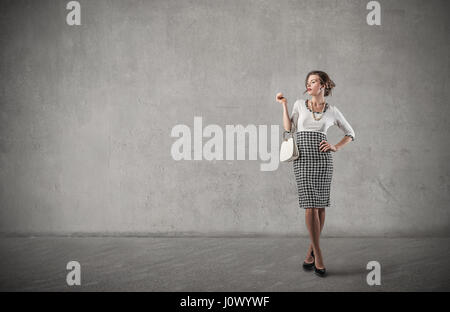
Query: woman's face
<point>313,85</point>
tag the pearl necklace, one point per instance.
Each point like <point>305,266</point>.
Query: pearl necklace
<point>313,112</point>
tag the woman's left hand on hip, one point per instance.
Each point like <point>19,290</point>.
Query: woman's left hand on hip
<point>325,146</point>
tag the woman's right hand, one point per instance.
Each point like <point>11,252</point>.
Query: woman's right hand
<point>281,99</point>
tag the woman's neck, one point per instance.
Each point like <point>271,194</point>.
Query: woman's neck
<point>317,103</point>
<point>317,99</point>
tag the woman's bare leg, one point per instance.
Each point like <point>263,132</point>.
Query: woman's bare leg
<point>310,259</point>
<point>313,224</point>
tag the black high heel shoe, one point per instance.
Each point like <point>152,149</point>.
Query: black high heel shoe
<point>309,266</point>
<point>320,272</point>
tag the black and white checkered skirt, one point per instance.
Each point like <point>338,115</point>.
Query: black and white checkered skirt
<point>313,170</point>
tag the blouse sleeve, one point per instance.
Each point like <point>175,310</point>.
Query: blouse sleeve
<point>294,115</point>
<point>343,124</point>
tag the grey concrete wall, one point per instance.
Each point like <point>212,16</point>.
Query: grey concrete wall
<point>87,113</point>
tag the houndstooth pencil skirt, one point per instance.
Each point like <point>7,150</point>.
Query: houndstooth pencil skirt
<point>313,170</point>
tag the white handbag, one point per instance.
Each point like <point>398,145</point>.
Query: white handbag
<point>289,149</point>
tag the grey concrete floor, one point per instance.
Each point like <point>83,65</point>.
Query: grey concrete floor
<point>221,264</point>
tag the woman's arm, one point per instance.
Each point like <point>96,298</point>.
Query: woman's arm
<point>288,122</point>
<point>344,125</point>
<point>342,142</point>
<point>286,119</point>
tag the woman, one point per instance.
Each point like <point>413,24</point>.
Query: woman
<point>313,170</point>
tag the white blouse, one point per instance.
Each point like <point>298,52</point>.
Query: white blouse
<point>302,118</point>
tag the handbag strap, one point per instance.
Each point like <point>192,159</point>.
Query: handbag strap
<point>293,129</point>
<point>293,125</point>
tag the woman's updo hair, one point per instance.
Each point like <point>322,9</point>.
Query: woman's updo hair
<point>324,80</point>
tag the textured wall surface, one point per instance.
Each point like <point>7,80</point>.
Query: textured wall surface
<point>87,113</point>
